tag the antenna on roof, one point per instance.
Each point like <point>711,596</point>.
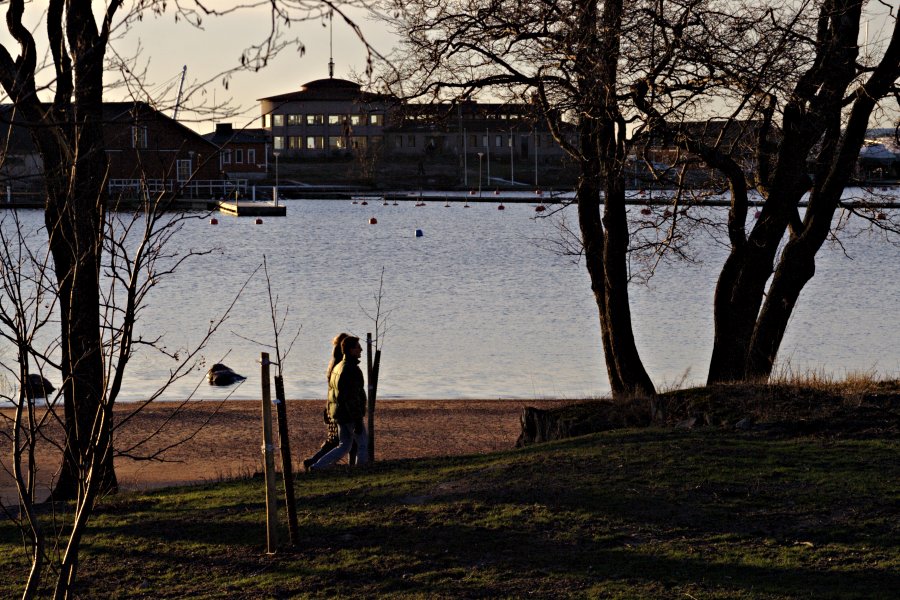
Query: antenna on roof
<point>331,45</point>
<point>180,88</point>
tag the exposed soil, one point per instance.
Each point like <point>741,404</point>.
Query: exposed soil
<point>165,444</point>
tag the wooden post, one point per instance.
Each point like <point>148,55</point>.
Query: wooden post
<point>269,467</point>
<point>286,468</point>
<point>372,379</point>
<point>373,394</point>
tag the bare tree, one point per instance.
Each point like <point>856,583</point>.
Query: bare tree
<point>97,335</point>
<point>799,96</point>
<point>566,57</point>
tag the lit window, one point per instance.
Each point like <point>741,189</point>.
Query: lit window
<point>277,120</point>
<point>356,120</point>
<point>315,119</point>
<point>295,119</point>
<point>315,142</point>
<point>278,142</point>
<point>376,120</point>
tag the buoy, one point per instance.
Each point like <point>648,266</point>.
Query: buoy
<point>539,192</point>
<point>395,203</point>
<point>756,214</point>
<point>355,202</point>
<point>364,203</point>
<point>419,233</point>
<point>881,216</point>
<point>258,221</point>
<point>373,221</point>
<point>471,192</point>
<point>646,211</point>
<point>540,208</point>
<point>667,213</point>
<point>501,207</point>
<point>496,192</point>
<point>466,205</point>
<point>214,221</point>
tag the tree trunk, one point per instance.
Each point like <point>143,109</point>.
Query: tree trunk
<point>75,217</point>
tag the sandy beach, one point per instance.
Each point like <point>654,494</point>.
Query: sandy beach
<point>208,440</point>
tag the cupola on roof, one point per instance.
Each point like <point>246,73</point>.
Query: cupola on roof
<point>328,89</point>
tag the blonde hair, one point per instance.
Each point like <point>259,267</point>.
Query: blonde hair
<point>337,353</point>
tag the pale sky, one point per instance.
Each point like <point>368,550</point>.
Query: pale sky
<point>167,46</point>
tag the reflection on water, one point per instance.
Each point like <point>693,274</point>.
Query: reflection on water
<point>479,308</point>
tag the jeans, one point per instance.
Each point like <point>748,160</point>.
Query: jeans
<point>347,432</point>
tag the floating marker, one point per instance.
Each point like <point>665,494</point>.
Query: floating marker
<point>214,221</point>
<point>258,221</point>
<point>540,208</point>
<point>501,207</point>
<point>419,233</point>
<point>373,221</point>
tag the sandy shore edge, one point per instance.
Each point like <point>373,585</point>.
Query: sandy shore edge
<point>170,444</point>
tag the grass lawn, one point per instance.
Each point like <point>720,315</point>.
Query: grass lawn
<point>649,513</point>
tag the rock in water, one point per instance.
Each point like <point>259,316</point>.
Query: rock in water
<point>37,387</point>
<point>221,375</point>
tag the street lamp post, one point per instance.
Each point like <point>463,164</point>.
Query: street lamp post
<point>480,154</point>
<point>275,191</point>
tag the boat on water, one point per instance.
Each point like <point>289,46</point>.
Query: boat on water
<point>364,200</point>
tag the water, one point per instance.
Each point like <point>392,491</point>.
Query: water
<point>478,307</point>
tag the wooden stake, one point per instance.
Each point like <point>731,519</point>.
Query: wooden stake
<point>372,378</point>
<point>373,394</point>
<point>287,469</point>
<point>269,451</point>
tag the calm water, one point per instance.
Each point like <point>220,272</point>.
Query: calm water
<point>479,306</point>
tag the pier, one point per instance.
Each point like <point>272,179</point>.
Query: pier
<point>250,208</point>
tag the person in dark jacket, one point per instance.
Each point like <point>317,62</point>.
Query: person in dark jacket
<point>331,433</point>
<point>347,406</point>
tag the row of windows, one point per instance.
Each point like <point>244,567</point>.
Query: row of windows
<point>481,115</point>
<point>318,142</point>
<point>321,119</point>
<point>483,141</point>
<point>239,156</point>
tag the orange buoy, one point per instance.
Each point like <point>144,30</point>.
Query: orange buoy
<point>258,221</point>
<point>373,221</point>
<point>214,221</point>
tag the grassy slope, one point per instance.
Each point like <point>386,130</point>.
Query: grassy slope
<point>650,513</point>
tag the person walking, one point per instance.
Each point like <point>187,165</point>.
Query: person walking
<point>331,427</point>
<point>347,406</point>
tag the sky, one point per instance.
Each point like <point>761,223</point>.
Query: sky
<point>167,44</point>
<point>170,46</point>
